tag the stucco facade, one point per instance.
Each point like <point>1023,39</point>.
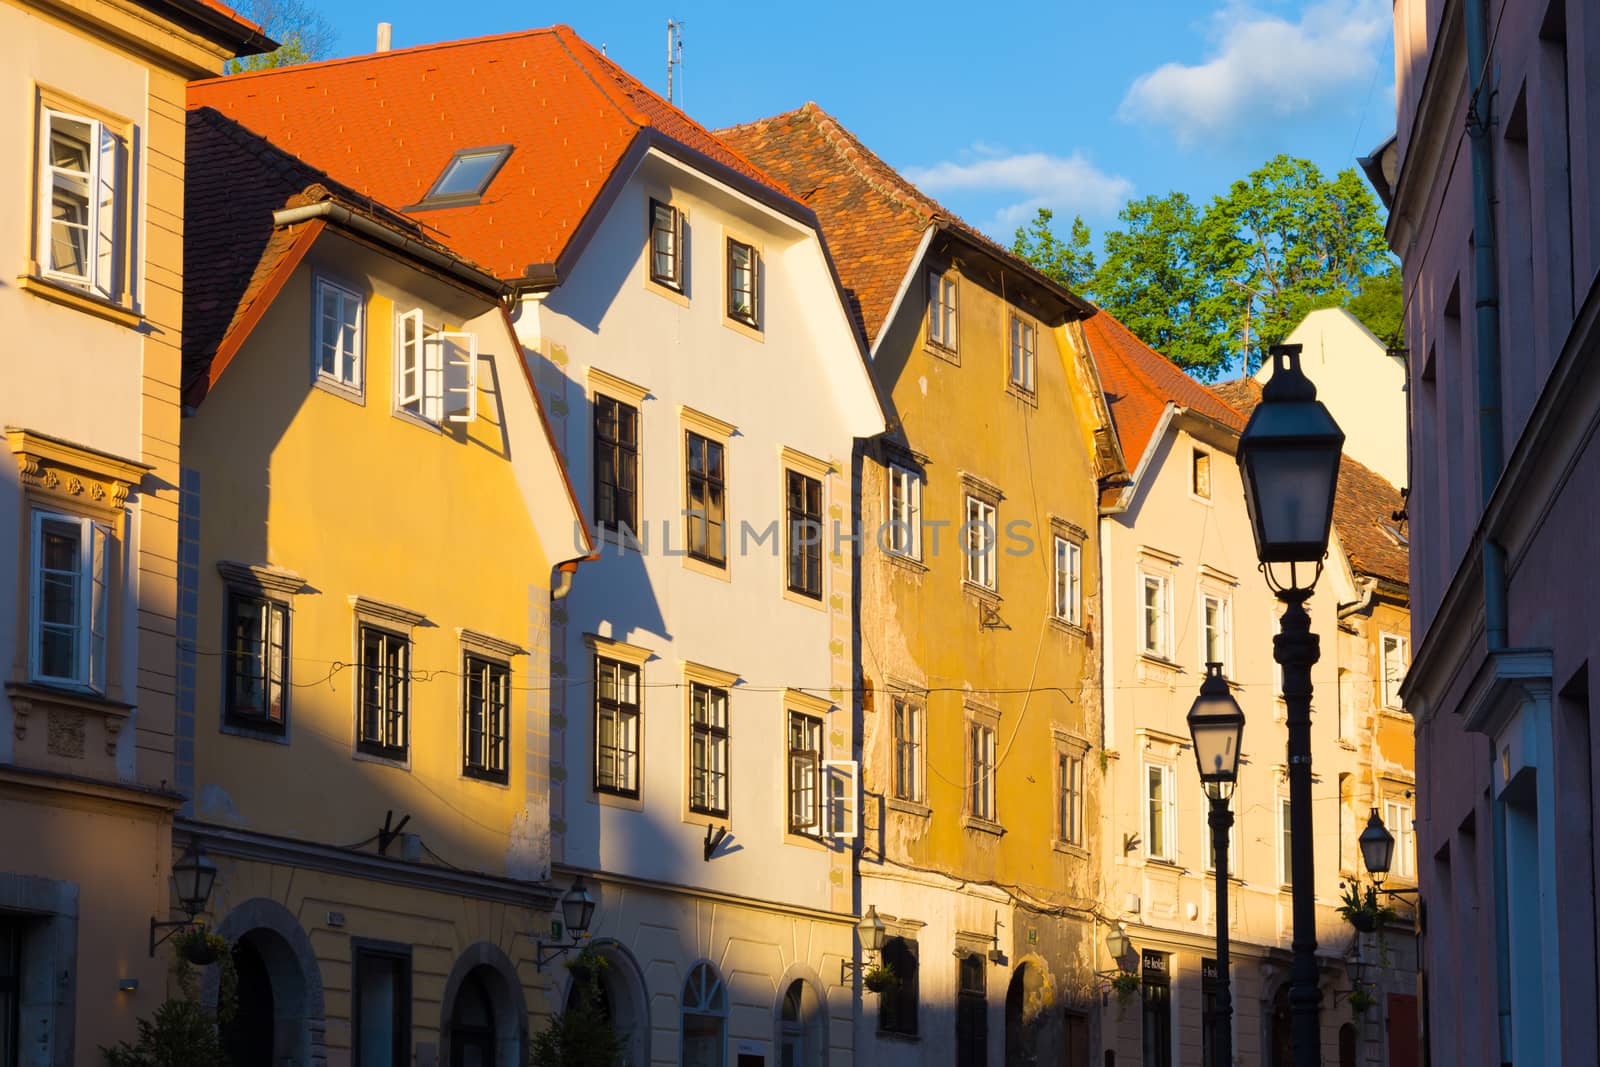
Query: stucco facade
<point>1493,215</point>
<point>785,397</point>
<point>89,505</point>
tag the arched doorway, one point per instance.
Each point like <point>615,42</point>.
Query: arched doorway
<point>622,1000</point>
<point>472,1023</point>
<point>1347,1045</point>
<point>484,1013</point>
<point>705,1015</point>
<point>248,1037</point>
<point>802,1027</point>
<point>1026,1016</point>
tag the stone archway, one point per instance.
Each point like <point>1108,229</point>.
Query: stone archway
<point>284,1022</point>
<point>1032,1026</point>
<point>484,1014</point>
<point>625,998</point>
<point>802,1021</point>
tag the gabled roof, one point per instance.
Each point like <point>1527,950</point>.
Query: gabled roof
<point>1140,382</point>
<point>874,218</point>
<point>387,124</point>
<point>233,252</point>
<point>1364,505</point>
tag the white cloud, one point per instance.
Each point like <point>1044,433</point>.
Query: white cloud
<point>1066,184</point>
<point>1264,69</point>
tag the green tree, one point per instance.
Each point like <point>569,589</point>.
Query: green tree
<point>1069,262</point>
<point>1281,240</point>
<point>1154,276</point>
<point>581,1036</point>
<point>303,33</point>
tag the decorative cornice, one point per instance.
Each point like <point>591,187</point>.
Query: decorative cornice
<point>382,611</point>
<point>69,470</point>
<point>817,468</point>
<point>706,425</point>
<point>981,487</point>
<point>489,643</point>
<point>261,576</point>
<point>1503,680</point>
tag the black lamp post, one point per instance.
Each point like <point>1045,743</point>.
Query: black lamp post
<point>577,911</point>
<point>1216,725</point>
<point>193,875</point>
<point>1289,462</point>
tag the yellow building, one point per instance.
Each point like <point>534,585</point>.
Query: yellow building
<point>92,305</point>
<point>980,735</point>
<point>373,515</point>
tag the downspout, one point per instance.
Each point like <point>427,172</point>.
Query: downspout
<point>1486,310</point>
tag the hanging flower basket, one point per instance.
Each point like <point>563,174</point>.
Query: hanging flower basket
<point>199,947</point>
<point>1124,984</point>
<point>1362,999</point>
<point>1362,910</point>
<point>880,979</point>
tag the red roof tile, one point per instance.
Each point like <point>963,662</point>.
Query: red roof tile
<point>387,124</point>
<point>1140,382</point>
<point>873,217</point>
<point>1363,506</point>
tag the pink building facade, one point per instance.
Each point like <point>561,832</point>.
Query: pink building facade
<point>1492,180</point>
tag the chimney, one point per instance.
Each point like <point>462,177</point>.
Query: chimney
<point>385,32</point>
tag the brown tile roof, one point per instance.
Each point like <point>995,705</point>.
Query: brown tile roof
<point>232,251</point>
<point>1363,506</point>
<point>1140,382</point>
<point>387,124</point>
<point>873,218</point>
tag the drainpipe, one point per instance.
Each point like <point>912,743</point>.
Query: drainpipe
<point>1486,311</point>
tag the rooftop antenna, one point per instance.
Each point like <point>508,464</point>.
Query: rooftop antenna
<point>674,54</point>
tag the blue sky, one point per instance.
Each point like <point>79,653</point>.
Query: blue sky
<point>996,108</point>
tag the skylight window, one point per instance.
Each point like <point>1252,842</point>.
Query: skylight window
<point>466,176</point>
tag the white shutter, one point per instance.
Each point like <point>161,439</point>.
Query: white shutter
<point>104,226</point>
<point>433,377</point>
<point>460,375</point>
<point>98,577</point>
<point>408,388</point>
<point>842,782</point>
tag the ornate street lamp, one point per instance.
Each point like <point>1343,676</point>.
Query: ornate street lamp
<point>1289,463</point>
<point>193,875</point>
<point>871,930</point>
<point>1216,725</point>
<point>1116,944</point>
<point>1377,847</point>
<point>577,912</point>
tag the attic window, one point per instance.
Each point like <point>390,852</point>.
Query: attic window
<point>466,176</point>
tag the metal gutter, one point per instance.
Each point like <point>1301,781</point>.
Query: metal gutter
<point>444,261</point>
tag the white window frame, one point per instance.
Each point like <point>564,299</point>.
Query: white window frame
<point>1070,806</point>
<point>103,249</point>
<point>1224,602</point>
<point>1391,685</point>
<point>1397,816</point>
<point>1164,631</point>
<point>908,731</point>
<point>982,754</point>
<point>1068,573</point>
<point>1024,349</point>
<point>981,566</point>
<point>1168,853</point>
<point>944,310</point>
<point>905,512</point>
<point>323,289</point>
<point>92,610</point>
<point>841,798</point>
<point>1285,844</point>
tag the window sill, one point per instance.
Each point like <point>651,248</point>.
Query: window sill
<point>1029,397</point>
<point>68,296</point>
<point>608,799</point>
<point>1070,629</point>
<point>399,760</point>
<point>500,779</point>
<point>949,355</point>
<point>909,807</point>
<point>910,564</point>
<point>272,735</point>
<point>895,1035</point>
<point>805,600</point>
<point>343,390</point>
<point>421,422</point>
<point>982,825</point>
<point>1067,848</point>
<point>710,570</point>
<point>806,841</point>
<point>1345,744</point>
<point>674,293</point>
<point>981,592</point>
<point>745,329</point>
<point>1394,713</point>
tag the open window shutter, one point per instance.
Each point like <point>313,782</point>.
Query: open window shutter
<point>411,361</point>
<point>99,561</point>
<point>433,347</point>
<point>107,167</point>
<point>841,783</point>
<point>460,375</point>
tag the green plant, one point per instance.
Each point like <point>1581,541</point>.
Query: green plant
<point>880,979</point>
<point>182,1034</point>
<point>581,1036</point>
<point>1363,911</point>
<point>1124,984</point>
<point>1361,999</point>
<point>200,947</point>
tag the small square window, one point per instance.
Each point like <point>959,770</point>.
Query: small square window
<point>744,276</point>
<point>467,176</point>
<point>666,234</point>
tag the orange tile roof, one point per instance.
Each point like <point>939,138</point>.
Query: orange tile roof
<point>1363,506</point>
<point>387,124</point>
<point>227,12</point>
<point>1140,382</point>
<point>873,218</point>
